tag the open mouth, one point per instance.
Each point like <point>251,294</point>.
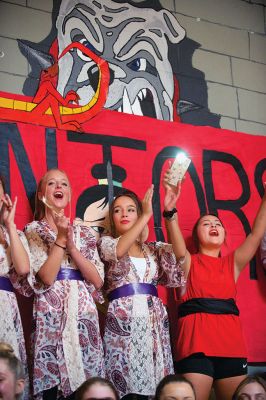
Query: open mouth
<point>214,232</point>
<point>142,105</point>
<point>58,195</point>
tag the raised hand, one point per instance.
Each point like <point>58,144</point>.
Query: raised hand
<point>172,193</point>
<point>147,202</point>
<point>8,211</point>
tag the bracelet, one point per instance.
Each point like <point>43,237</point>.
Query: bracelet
<point>59,245</point>
<point>169,215</point>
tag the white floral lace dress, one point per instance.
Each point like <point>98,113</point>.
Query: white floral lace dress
<point>11,330</point>
<point>136,338</point>
<point>67,347</point>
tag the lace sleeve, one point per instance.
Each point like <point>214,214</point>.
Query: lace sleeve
<point>88,248</point>
<point>107,248</point>
<point>39,254</point>
<point>21,283</point>
<point>170,271</point>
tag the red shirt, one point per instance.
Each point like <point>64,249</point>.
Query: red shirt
<point>211,334</point>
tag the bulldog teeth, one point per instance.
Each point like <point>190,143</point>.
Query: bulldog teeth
<point>143,93</point>
<point>126,103</point>
<point>136,108</point>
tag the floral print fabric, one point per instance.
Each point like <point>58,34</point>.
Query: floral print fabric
<point>66,336</point>
<point>11,330</point>
<point>136,338</point>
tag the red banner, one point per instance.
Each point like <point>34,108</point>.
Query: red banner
<point>226,174</point>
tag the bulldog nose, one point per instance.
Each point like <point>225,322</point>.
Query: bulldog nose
<point>93,75</point>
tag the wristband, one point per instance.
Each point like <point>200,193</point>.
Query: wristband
<point>59,245</point>
<point>169,214</point>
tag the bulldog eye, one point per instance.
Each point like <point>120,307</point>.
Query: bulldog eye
<point>141,64</point>
<point>89,46</point>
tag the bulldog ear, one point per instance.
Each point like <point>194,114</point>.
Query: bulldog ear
<point>173,30</point>
<point>43,59</point>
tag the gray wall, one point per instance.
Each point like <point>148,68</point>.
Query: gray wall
<point>232,52</point>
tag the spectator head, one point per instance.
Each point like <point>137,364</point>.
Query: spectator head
<point>12,379</point>
<point>176,387</point>
<point>96,389</point>
<point>251,388</point>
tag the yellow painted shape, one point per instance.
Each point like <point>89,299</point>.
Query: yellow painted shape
<point>20,105</point>
<point>66,110</point>
<point>6,103</point>
<point>31,106</point>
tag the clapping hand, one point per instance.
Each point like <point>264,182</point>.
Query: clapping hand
<point>8,211</point>
<point>62,223</point>
<point>147,202</point>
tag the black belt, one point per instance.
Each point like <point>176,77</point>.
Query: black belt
<point>208,305</point>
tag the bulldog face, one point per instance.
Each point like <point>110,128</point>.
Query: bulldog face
<point>134,43</point>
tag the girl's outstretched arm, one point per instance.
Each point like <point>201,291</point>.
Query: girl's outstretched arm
<point>175,235</point>
<point>248,248</point>
<point>19,256</point>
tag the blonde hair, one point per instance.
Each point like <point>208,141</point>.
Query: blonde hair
<point>7,353</point>
<point>39,209</point>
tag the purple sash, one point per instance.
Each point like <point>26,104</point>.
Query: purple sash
<point>69,274</point>
<point>5,284</point>
<point>131,289</point>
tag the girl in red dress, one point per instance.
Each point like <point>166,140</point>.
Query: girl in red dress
<point>210,342</point>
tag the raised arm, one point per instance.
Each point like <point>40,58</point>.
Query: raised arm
<point>248,248</point>
<point>86,267</point>
<point>175,235</point>
<point>129,237</point>
<point>19,256</point>
<point>49,270</point>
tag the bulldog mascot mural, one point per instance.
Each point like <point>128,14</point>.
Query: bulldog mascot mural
<point>107,54</point>
<point>134,42</point>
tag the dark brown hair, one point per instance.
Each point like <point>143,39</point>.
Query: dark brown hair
<point>39,210</point>
<point>132,196</point>
<point>195,237</point>
<point>171,379</point>
<point>92,381</point>
<point>246,381</point>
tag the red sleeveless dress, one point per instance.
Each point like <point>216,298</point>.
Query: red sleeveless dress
<point>211,334</point>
